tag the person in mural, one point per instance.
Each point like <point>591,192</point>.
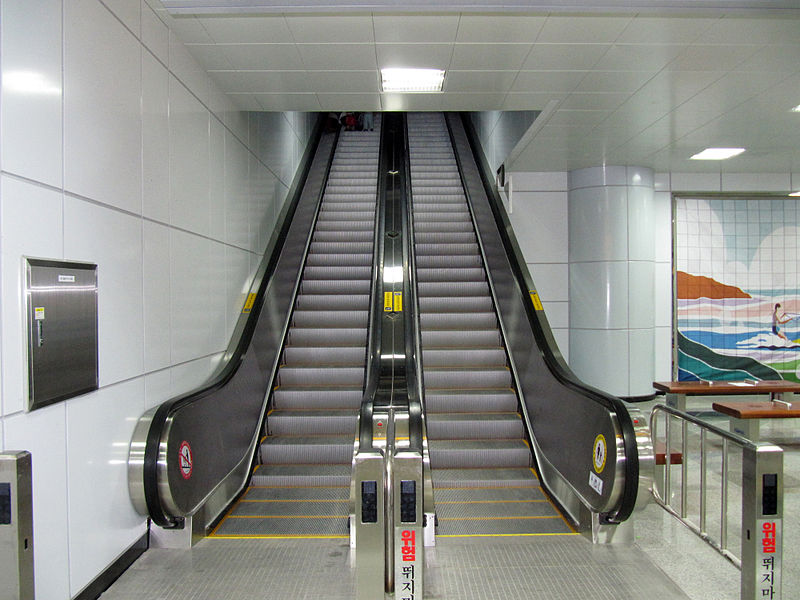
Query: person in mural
<point>778,320</point>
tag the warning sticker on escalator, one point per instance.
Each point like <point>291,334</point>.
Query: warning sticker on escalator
<point>248,304</point>
<point>398,302</point>
<point>537,302</point>
<point>185,460</point>
<point>599,453</point>
<point>388,304</point>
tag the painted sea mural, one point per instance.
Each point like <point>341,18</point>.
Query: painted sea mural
<point>738,295</point>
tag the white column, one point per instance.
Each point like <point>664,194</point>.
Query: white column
<point>611,278</point>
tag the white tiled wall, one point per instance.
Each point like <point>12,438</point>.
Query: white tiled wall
<point>117,149</point>
<point>539,214</point>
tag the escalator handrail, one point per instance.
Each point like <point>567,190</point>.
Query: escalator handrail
<point>234,356</point>
<point>543,335</point>
<point>413,345</point>
<point>372,373</point>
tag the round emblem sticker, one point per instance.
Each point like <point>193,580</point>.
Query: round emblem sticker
<point>185,457</point>
<point>599,453</point>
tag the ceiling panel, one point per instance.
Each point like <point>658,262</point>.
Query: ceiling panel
<point>429,56</point>
<point>635,87</point>
<point>261,57</point>
<point>412,28</point>
<point>496,28</point>
<point>238,30</point>
<point>489,56</point>
<point>665,30</point>
<point>477,81</point>
<point>345,81</point>
<point>564,30</point>
<point>350,57</point>
<point>330,28</point>
<point>562,57</point>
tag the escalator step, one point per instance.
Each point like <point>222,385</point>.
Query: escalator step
<point>474,426</point>
<point>321,376</point>
<point>474,378</point>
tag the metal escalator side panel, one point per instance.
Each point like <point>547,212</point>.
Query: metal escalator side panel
<point>569,421</point>
<point>192,447</point>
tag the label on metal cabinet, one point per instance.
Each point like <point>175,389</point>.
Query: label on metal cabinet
<point>768,558</point>
<point>38,313</point>
<point>66,279</point>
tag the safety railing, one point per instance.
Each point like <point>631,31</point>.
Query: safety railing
<point>698,464</point>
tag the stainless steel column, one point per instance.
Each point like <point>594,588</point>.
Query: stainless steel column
<point>16,526</point>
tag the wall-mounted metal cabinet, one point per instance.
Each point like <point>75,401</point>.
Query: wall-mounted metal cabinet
<point>62,330</point>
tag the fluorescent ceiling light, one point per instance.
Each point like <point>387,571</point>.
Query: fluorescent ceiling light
<point>796,109</point>
<point>718,153</point>
<point>797,193</point>
<point>412,80</point>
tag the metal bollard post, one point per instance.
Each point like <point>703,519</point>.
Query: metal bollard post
<point>16,526</point>
<point>762,522</point>
<point>409,547</point>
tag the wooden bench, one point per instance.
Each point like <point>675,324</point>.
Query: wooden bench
<point>677,391</point>
<point>745,417</point>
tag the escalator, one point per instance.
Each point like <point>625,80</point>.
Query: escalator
<point>302,485</point>
<point>483,479</point>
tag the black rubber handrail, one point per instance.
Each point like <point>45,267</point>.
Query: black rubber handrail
<point>156,430</point>
<point>374,348</point>
<point>544,339</point>
<point>413,357</point>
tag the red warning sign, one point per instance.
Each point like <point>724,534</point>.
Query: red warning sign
<point>185,458</point>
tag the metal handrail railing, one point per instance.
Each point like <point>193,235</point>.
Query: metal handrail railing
<point>762,493</point>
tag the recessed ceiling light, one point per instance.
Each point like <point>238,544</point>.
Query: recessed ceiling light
<point>717,153</point>
<point>412,80</point>
<point>796,109</point>
<point>797,193</point>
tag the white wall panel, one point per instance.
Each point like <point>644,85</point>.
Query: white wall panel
<point>42,433</point>
<point>551,281</point>
<point>113,241</point>
<point>30,225</point>
<point>127,11</point>
<point>102,108</point>
<point>663,354</point>
<point>642,361</point>
<point>216,179</point>
<point>30,105</point>
<point>186,69</point>
<point>604,366</point>
<point>662,304</point>
<point>237,202</point>
<point>557,314</point>
<point>102,521</point>
<point>155,139</point>
<point>155,35</point>
<point>598,224</point>
<point>218,305</point>
<point>157,388</point>
<point>189,375</point>
<point>188,160</point>
<point>156,287</point>
<point>756,182</point>
<point>238,278</point>
<point>540,223</point>
<point>662,226</point>
<point>640,223</point>
<point>598,295</point>
<point>695,182</point>
<point>551,181</point>
<point>190,303</point>
<point>562,341</point>
<point>640,294</point>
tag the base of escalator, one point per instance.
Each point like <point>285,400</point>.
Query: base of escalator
<point>289,512</point>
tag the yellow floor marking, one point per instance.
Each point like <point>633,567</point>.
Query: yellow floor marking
<point>287,516</point>
<point>495,518</point>
<point>261,536</point>
<point>466,535</point>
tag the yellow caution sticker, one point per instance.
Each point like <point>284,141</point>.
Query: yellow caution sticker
<point>248,304</point>
<point>398,302</point>
<point>599,454</point>
<point>388,304</point>
<point>537,303</point>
